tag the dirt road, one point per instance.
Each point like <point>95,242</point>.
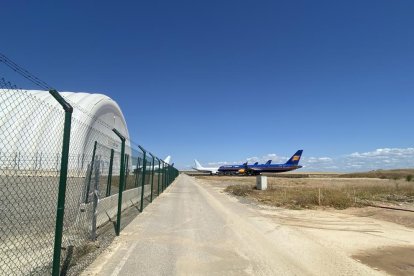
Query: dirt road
<point>196,229</point>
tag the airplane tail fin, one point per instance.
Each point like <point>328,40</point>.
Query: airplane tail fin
<point>167,159</point>
<point>198,165</point>
<point>294,160</point>
<point>268,162</point>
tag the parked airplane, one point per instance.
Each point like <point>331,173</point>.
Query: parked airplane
<point>291,164</point>
<point>233,169</point>
<point>200,168</point>
<point>166,160</point>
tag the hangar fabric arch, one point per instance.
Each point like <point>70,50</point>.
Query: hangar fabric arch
<point>93,115</point>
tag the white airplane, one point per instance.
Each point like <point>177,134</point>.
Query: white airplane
<point>166,160</point>
<point>204,169</point>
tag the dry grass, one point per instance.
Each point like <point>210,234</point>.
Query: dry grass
<point>337,193</point>
<point>406,174</point>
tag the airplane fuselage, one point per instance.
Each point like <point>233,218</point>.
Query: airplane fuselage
<point>274,168</point>
<point>231,168</point>
<point>257,169</point>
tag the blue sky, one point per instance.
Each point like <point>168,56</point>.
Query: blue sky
<point>227,81</point>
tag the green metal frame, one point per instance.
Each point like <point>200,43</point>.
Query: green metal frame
<point>163,177</point>
<point>144,169</point>
<point>159,176</point>
<point>60,212</point>
<point>88,187</point>
<point>121,181</point>
<point>109,182</point>
<point>137,172</point>
<point>152,175</point>
<point>167,171</point>
<point>126,170</point>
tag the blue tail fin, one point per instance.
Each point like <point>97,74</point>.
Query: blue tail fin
<point>268,162</point>
<point>294,160</point>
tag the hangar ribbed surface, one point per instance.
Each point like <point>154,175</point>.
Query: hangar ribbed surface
<point>93,114</point>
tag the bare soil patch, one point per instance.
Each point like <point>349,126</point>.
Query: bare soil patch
<point>347,195</point>
<point>395,216</point>
<point>393,260</point>
<point>342,218</point>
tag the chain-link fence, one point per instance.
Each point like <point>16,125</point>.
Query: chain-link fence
<point>61,194</point>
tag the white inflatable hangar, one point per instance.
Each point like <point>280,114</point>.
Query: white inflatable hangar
<point>93,114</point>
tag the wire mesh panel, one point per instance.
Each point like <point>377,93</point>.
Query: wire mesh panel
<point>138,170</point>
<point>88,171</point>
<point>29,171</point>
<point>31,138</point>
<point>148,178</point>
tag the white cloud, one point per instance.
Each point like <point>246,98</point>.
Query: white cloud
<point>325,159</point>
<point>311,160</point>
<point>385,152</point>
<point>385,158</point>
<point>252,159</point>
<point>270,156</point>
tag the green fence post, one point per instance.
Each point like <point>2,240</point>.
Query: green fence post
<point>137,172</point>
<point>90,172</point>
<point>60,212</point>
<point>121,181</point>
<point>126,170</point>
<point>159,175</point>
<point>163,176</point>
<point>152,175</point>
<point>144,169</point>
<point>168,176</point>
<point>109,182</point>
<point>168,179</point>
